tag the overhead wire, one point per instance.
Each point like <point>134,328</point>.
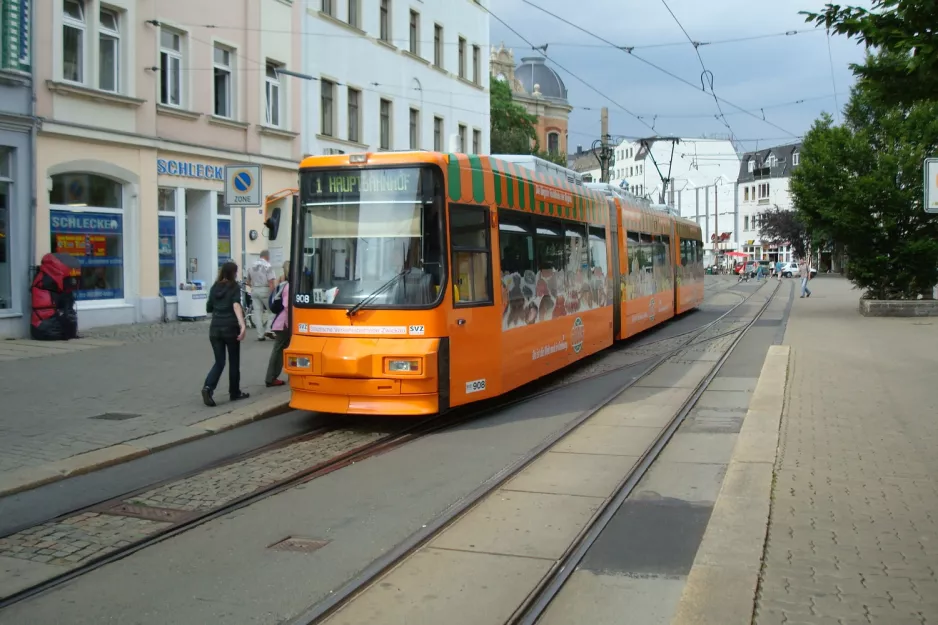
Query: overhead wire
<point>830,58</point>
<point>573,74</point>
<point>631,53</point>
<point>706,73</point>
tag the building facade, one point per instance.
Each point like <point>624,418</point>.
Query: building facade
<point>395,76</point>
<point>143,103</point>
<point>541,91</point>
<point>763,184</point>
<point>16,165</point>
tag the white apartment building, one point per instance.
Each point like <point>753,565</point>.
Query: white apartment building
<point>764,184</point>
<point>395,75</point>
<point>143,103</point>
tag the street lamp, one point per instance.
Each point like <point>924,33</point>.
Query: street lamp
<point>606,155</point>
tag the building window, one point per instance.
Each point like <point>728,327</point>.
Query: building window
<point>553,143</point>
<point>109,51</point>
<point>273,95</point>
<point>795,159</point>
<point>327,7</point>
<point>170,67</point>
<point>385,20</point>
<point>166,226</point>
<point>327,108</point>
<point>746,194</point>
<point>414,33</point>
<point>477,65</point>
<point>385,125</point>
<point>87,222</point>
<point>223,79</point>
<point>354,13</point>
<point>414,129</point>
<point>354,115</point>
<point>746,222</point>
<point>462,138</point>
<point>6,187</point>
<point>462,57</point>
<point>750,165</point>
<point>438,45</point>
<point>476,141</point>
<point>438,134</point>
<point>73,41</point>
<point>771,161</point>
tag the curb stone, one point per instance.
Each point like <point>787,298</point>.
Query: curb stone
<point>34,477</point>
<point>721,586</point>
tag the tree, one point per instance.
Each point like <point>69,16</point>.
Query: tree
<point>512,127</point>
<point>860,185</point>
<point>556,158</point>
<point>785,228</point>
<point>905,68</point>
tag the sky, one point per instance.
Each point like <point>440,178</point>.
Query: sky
<point>763,72</point>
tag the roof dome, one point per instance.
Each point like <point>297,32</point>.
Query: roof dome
<point>534,71</point>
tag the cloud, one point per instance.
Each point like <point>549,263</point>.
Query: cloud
<point>751,74</point>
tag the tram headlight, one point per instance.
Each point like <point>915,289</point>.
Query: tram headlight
<point>408,365</point>
<point>299,362</point>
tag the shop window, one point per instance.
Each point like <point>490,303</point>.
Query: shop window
<point>469,238</point>
<point>81,190</point>
<point>166,228</point>
<point>6,275</point>
<point>224,241</point>
<point>96,239</point>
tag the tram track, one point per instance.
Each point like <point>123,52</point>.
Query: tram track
<point>180,521</point>
<point>534,606</point>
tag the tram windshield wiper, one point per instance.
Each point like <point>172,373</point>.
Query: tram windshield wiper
<point>369,298</point>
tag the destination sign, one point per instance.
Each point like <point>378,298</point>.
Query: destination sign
<point>365,182</point>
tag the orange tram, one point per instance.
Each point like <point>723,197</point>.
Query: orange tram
<point>422,281</point>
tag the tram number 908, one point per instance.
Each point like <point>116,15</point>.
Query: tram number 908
<point>475,386</point>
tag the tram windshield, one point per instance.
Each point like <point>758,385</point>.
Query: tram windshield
<point>371,238</point>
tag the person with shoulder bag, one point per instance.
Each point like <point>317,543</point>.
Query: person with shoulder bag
<point>280,306</point>
<point>226,332</point>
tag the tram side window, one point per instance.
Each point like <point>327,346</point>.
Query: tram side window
<point>515,243</point>
<point>576,251</point>
<point>633,247</point>
<point>662,250</point>
<point>469,237</point>
<point>598,254</point>
<point>647,253</point>
<point>549,248</point>
<point>687,252</point>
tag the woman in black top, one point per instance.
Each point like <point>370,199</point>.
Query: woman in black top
<point>226,333</point>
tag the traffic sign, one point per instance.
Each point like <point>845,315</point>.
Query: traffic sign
<point>931,185</point>
<point>243,185</point>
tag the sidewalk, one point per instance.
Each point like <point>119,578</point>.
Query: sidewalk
<point>853,530</point>
<point>114,386</point>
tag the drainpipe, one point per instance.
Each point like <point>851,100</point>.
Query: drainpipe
<point>33,183</point>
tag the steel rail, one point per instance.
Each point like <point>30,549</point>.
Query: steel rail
<point>539,600</point>
<point>418,429</point>
<point>370,574</point>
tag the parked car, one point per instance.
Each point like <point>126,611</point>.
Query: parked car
<point>792,270</point>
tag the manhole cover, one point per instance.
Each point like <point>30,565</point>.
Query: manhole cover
<point>150,513</point>
<point>116,416</point>
<point>303,545</point>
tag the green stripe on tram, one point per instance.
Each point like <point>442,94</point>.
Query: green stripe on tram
<point>521,194</point>
<point>478,179</point>
<point>455,184</point>
<point>498,177</point>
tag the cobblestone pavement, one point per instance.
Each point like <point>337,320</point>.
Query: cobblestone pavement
<point>853,532</point>
<point>50,403</point>
<point>215,487</point>
<point>71,541</point>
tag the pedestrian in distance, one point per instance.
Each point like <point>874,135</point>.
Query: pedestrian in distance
<point>262,279</point>
<point>280,327</point>
<point>805,276</point>
<point>226,332</point>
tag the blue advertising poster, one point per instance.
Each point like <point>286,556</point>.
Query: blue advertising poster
<point>167,253</point>
<point>224,241</point>
<point>96,240</point>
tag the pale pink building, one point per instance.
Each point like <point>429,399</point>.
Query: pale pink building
<point>142,104</point>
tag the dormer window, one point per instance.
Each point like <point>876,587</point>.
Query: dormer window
<point>751,165</point>
<point>771,161</point>
<point>795,159</point>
